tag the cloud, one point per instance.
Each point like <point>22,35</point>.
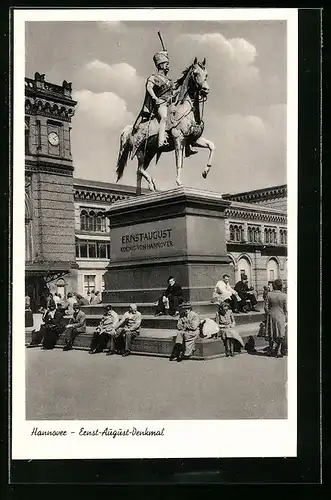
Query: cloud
<point>231,60</point>
<point>105,109</point>
<point>120,78</point>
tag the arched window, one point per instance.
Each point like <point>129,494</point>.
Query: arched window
<point>238,233</point>
<point>272,270</point>
<point>283,236</point>
<point>250,235</point>
<point>100,222</point>
<point>83,220</point>
<point>231,232</point>
<point>91,221</point>
<point>244,267</point>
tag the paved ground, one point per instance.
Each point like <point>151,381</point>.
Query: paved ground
<point>76,385</point>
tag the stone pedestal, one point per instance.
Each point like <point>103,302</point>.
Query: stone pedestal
<point>180,232</point>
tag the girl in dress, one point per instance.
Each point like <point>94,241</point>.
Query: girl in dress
<point>229,334</point>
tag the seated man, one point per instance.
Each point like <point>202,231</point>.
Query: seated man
<point>246,294</point>
<point>127,329</point>
<point>104,331</point>
<point>188,331</point>
<point>172,297</point>
<point>77,325</point>
<point>223,292</point>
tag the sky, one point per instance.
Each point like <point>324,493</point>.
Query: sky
<point>108,63</point>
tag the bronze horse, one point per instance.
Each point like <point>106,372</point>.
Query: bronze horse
<point>184,126</point>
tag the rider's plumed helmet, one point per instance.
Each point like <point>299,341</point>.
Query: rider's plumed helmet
<point>160,57</point>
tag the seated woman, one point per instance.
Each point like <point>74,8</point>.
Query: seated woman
<point>105,329</point>
<point>171,299</point>
<point>229,334</point>
<point>53,327</point>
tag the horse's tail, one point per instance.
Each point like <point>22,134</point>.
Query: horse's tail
<point>124,152</point>
<point>158,154</point>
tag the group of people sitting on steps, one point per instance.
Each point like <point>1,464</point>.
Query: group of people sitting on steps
<point>118,333</point>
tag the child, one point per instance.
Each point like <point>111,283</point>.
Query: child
<point>226,322</point>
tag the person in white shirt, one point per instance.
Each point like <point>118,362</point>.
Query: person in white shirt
<point>56,299</point>
<point>223,292</point>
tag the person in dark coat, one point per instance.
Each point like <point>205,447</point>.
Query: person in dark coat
<point>53,327</point>
<point>246,295</point>
<point>276,319</point>
<point>171,299</point>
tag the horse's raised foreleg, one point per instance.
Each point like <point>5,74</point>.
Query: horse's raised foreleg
<point>205,143</point>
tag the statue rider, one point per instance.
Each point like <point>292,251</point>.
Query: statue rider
<point>160,90</point>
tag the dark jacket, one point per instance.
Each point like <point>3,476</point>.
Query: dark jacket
<point>242,288</point>
<point>175,290</point>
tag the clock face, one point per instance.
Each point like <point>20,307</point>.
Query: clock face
<point>53,139</point>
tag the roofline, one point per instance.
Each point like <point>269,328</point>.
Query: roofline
<point>255,193</point>
<point>109,186</point>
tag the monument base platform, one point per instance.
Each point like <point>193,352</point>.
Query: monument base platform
<point>158,334</point>
<point>145,345</point>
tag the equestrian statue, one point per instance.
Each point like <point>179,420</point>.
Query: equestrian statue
<point>170,120</point>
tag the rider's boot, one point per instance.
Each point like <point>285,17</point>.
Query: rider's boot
<point>163,139</point>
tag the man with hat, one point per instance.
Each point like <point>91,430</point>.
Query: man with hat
<point>126,329</point>
<point>160,90</point>
<point>188,331</point>
<point>76,325</point>
<point>104,331</point>
<point>246,294</point>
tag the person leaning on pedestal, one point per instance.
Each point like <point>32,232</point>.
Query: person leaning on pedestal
<point>77,325</point>
<point>171,299</point>
<point>104,331</point>
<point>127,329</point>
<point>223,292</point>
<point>188,331</point>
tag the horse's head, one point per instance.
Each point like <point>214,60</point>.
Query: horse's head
<point>199,76</point>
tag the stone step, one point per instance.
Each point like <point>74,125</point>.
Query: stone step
<point>149,308</point>
<point>152,342</point>
<point>170,322</point>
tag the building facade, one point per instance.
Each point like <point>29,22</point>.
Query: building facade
<point>256,235</point>
<point>49,201</point>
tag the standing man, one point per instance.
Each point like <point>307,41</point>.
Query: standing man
<point>223,292</point>
<point>128,328</point>
<point>172,297</point>
<point>77,325</point>
<point>246,294</point>
<point>188,331</point>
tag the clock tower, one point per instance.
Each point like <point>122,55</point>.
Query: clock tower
<point>49,196</point>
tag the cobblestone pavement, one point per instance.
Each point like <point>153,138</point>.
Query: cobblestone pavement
<point>75,385</point>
